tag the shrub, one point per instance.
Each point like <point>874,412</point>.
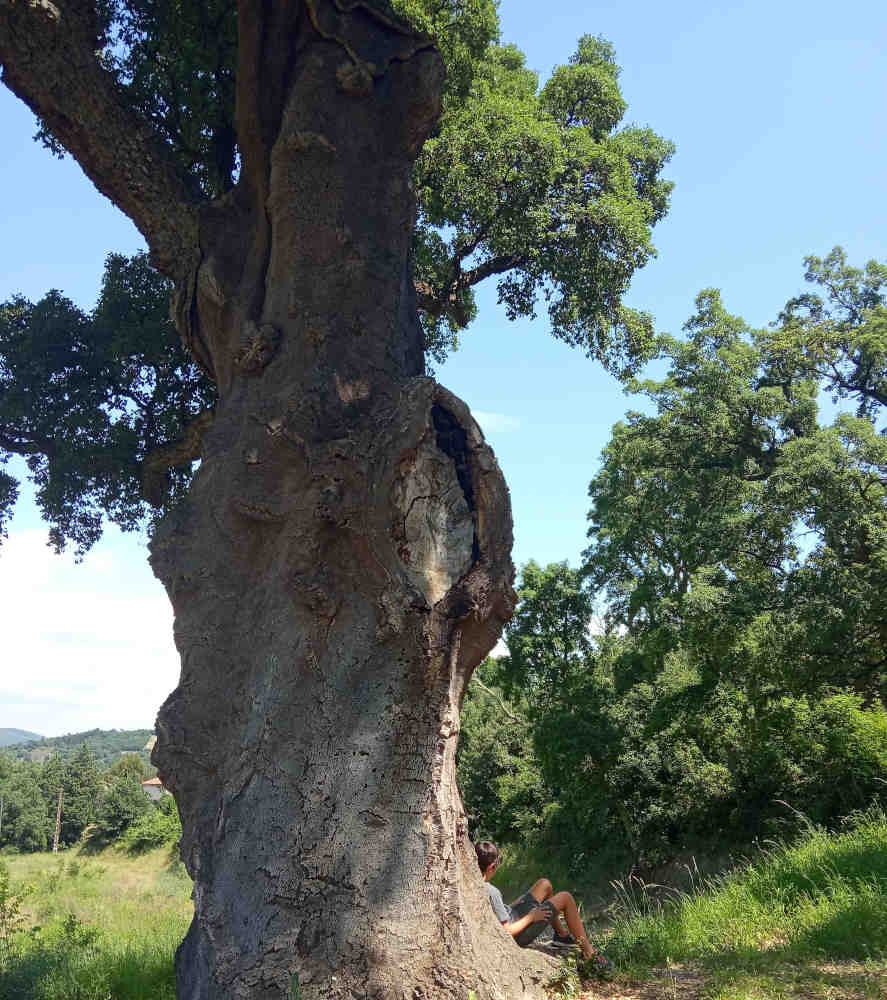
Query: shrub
<point>158,826</point>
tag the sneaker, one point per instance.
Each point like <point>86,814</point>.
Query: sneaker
<point>564,941</point>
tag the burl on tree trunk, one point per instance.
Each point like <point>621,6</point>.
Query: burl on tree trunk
<point>343,562</point>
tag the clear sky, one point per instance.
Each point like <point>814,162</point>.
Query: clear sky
<point>777,112</point>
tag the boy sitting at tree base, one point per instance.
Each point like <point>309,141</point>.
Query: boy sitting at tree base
<point>540,906</point>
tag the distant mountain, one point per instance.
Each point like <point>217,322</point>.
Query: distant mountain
<point>106,744</point>
<point>10,736</point>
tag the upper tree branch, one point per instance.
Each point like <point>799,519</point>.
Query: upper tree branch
<point>448,301</point>
<point>48,52</point>
<point>188,448</point>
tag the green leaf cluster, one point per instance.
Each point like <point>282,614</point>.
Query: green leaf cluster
<point>85,397</point>
<point>541,189</point>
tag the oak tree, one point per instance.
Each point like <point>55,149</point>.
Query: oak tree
<point>323,198</point>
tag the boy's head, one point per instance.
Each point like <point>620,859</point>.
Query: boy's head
<point>487,854</point>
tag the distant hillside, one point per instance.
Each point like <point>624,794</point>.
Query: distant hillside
<point>106,744</point>
<point>10,736</point>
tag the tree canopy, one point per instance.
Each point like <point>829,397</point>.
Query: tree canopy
<point>732,518</point>
<point>540,188</point>
<point>98,404</point>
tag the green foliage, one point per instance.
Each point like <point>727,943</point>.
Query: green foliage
<point>734,527</point>
<point>123,803</point>
<point>499,776</point>
<point>85,397</point>
<point>132,766</point>
<point>25,820</point>
<point>541,189</point>
<point>11,917</point>
<point>157,826</point>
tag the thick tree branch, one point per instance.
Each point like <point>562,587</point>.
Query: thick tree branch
<point>448,302</point>
<point>15,444</point>
<point>495,265</point>
<point>48,52</point>
<point>188,448</point>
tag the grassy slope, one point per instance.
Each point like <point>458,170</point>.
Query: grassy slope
<point>108,927</point>
<point>805,920</point>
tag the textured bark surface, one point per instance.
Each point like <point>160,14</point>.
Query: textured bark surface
<point>343,561</point>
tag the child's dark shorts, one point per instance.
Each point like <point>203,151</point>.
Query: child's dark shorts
<point>520,908</point>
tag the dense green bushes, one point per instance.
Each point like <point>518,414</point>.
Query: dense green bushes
<point>641,773</point>
<point>735,669</point>
<point>155,827</point>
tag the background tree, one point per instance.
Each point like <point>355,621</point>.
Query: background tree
<point>122,803</point>
<point>130,765</point>
<point>81,786</point>
<point>25,820</point>
<point>341,562</point>
<point>503,788</point>
<point>737,563</point>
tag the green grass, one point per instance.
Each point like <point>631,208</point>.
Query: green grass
<point>804,921</point>
<point>99,927</point>
<point>821,898</point>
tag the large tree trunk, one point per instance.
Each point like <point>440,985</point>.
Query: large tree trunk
<point>343,562</point>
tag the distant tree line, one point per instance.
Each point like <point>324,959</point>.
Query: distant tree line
<point>720,658</point>
<point>104,804</point>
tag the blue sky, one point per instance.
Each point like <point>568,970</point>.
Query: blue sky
<point>777,112</point>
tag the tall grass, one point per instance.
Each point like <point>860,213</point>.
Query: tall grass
<point>98,928</point>
<point>824,895</point>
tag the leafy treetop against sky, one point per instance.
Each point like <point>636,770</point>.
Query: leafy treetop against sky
<point>775,112</point>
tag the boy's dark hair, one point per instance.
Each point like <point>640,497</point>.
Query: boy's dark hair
<point>487,854</point>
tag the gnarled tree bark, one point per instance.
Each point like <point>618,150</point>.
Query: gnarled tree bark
<point>343,561</point>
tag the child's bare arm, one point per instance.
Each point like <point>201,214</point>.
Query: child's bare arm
<point>516,926</point>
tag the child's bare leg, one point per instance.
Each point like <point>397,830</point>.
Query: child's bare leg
<point>567,905</point>
<point>541,890</point>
